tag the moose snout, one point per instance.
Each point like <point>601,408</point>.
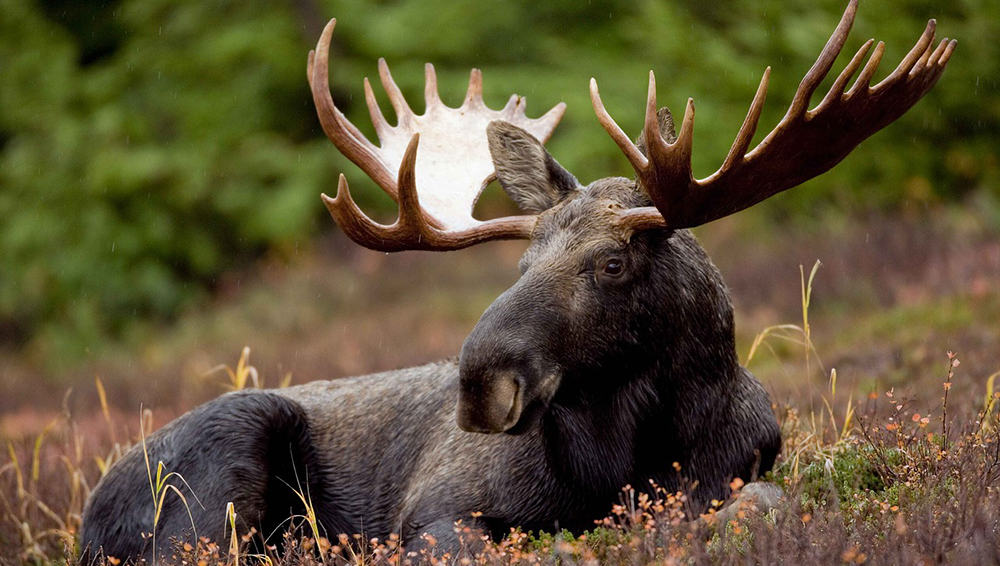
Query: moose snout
<point>496,372</point>
<point>507,372</point>
<point>502,390</point>
<point>490,405</point>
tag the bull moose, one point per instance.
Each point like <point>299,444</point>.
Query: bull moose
<point>611,359</point>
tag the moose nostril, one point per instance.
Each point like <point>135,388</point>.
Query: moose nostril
<point>489,403</point>
<point>514,412</point>
<point>500,401</point>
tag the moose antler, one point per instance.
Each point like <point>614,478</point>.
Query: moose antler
<point>803,145</point>
<point>451,170</point>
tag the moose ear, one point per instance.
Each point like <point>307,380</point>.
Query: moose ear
<point>666,122</point>
<point>526,171</point>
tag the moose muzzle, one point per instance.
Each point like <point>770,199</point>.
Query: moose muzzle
<point>506,373</point>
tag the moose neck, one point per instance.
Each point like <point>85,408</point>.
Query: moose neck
<point>682,363</point>
<point>690,334</point>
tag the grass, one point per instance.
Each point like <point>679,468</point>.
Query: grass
<point>884,484</point>
<point>792,332</point>
<point>891,492</point>
<point>160,487</point>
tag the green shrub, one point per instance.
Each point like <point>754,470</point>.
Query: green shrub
<point>131,181</point>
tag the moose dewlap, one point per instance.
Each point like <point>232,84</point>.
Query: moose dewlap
<point>611,359</point>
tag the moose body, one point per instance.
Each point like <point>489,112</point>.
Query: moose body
<point>383,454</point>
<point>611,361</point>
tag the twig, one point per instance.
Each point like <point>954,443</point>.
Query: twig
<point>952,364</point>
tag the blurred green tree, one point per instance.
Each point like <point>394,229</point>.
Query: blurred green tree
<point>147,146</point>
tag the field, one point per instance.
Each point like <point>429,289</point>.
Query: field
<point>890,438</point>
<point>161,242</point>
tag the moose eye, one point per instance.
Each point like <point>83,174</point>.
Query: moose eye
<point>613,267</point>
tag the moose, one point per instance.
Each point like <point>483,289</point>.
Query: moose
<point>611,361</point>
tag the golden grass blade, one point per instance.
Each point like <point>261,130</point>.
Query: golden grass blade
<point>764,334</point>
<point>145,455</point>
<point>848,420</point>
<point>103,396</point>
<point>36,454</point>
<point>234,541</point>
<point>990,402</point>
<point>18,475</point>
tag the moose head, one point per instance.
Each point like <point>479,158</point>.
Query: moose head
<point>610,271</point>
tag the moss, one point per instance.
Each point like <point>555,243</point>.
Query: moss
<point>849,478</point>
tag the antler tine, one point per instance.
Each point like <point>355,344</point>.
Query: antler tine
<point>512,103</point>
<point>351,219</point>
<point>474,96</point>
<point>431,95</point>
<point>837,89</point>
<point>548,120</point>
<point>657,148</point>
<point>320,75</point>
<point>409,226</point>
<point>947,53</point>
<point>823,63</point>
<point>382,126</point>
<point>669,163</point>
<point>865,78</point>
<point>348,139</point>
<point>670,168</point>
<point>749,127</point>
<point>922,62</point>
<point>912,57</point>
<point>635,157</point>
<point>651,123</point>
<point>411,218</point>
<point>403,112</point>
<point>938,52</point>
<point>685,140</point>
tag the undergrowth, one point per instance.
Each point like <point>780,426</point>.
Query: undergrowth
<point>880,480</point>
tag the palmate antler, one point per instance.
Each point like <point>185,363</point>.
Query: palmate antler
<point>804,144</point>
<point>450,170</point>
